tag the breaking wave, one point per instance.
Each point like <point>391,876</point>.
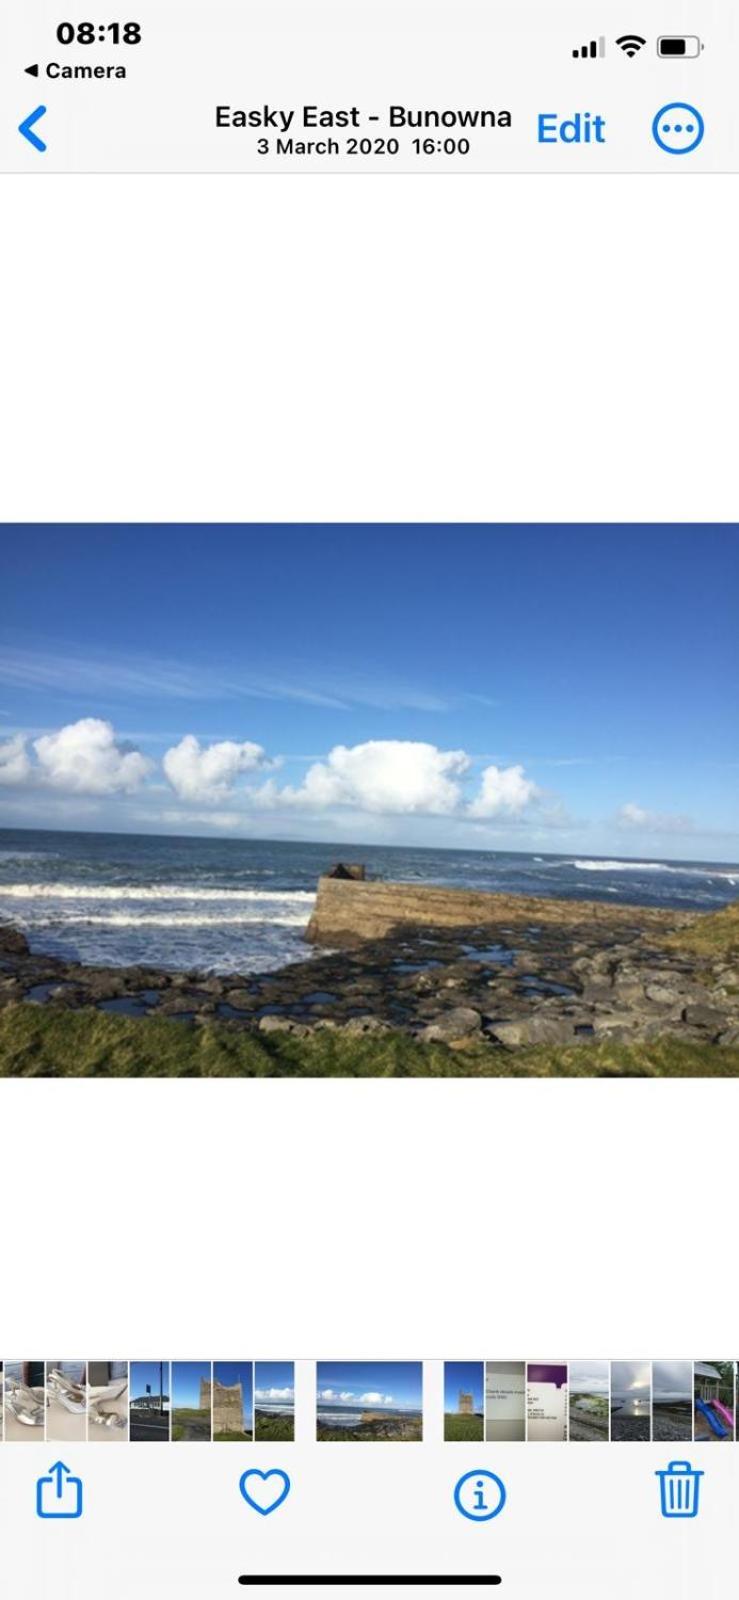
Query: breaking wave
<point>184,919</point>
<point>651,866</point>
<point>163,891</point>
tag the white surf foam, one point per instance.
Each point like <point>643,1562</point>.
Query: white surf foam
<point>186,919</point>
<point>164,891</point>
<point>650,866</point>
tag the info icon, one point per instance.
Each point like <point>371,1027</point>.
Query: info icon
<point>480,1495</point>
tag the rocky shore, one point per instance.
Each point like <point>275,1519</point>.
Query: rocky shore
<point>397,1429</point>
<point>576,977</point>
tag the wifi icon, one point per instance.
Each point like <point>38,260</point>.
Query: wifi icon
<point>630,43</point>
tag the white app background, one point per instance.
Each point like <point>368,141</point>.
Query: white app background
<point>550,349</point>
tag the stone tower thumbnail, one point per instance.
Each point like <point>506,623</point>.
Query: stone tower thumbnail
<point>466,1404</point>
<point>228,1405</point>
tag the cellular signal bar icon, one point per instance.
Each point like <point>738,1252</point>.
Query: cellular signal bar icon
<point>591,50</point>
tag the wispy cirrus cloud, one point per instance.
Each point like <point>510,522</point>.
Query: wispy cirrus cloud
<point>147,677</point>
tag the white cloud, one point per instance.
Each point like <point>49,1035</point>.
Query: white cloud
<point>504,790</point>
<point>637,817</point>
<point>383,776</point>
<point>274,1394</point>
<point>85,758</point>
<point>375,1397</point>
<point>15,766</point>
<point>207,774</point>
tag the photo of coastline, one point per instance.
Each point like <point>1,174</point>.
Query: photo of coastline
<point>672,1401</point>
<point>24,1401</point>
<point>464,1401</point>
<point>421,855</point>
<point>631,1400</point>
<point>546,1401</point>
<point>107,1402</point>
<point>192,1418</point>
<point>274,1400</point>
<point>149,1406</point>
<point>66,1401</point>
<point>369,1400</point>
<point>714,1401</point>
<point>505,1401</point>
<point>233,1401</point>
<point>590,1389</point>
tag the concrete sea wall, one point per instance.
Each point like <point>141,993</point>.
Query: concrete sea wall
<point>348,912</point>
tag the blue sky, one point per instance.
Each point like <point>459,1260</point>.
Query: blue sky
<point>148,1372</point>
<point>275,1381</point>
<point>371,1383</point>
<point>186,1380</point>
<point>564,688</point>
<point>230,1372</point>
<point>466,1377</point>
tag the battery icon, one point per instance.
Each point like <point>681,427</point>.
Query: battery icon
<point>679,46</point>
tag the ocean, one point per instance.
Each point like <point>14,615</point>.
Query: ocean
<point>630,1407</point>
<point>350,1417</point>
<point>230,905</point>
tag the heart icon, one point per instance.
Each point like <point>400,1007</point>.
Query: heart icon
<point>264,1491</point>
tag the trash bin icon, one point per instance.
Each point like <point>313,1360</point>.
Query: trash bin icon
<point>679,1487</point>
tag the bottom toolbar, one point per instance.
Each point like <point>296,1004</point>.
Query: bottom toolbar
<point>655,1522</point>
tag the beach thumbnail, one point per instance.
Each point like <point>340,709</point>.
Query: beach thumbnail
<point>107,1402</point>
<point>368,1400</point>
<point>191,1401</point>
<point>672,1401</point>
<point>590,1384</point>
<point>66,1401</point>
<point>714,1401</point>
<point>274,1401</point>
<point>505,1401</point>
<point>464,1401</point>
<point>546,1401</point>
<point>233,1401</point>
<point>150,1402</point>
<point>24,1401</point>
<point>631,1400</point>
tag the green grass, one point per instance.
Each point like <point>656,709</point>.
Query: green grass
<point>715,934</point>
<point>274,1426</point>
<point>190,1423</point>
<point>41,1041</point>
<point>464,1429</point>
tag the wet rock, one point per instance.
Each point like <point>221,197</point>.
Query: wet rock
<point>533,1030</point>
<point>662,994</point>
<point>595,994</point>
<point>452,1025</point>
<point>627,991</point>
<point>616,1023</point>
<point>366,1025</point>
<point>180,1004</point>
<point>13,943</point>
<point>103,985</point>
<point>281,1025</point>
<point>705,1017</point>
<point>242,999</point>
